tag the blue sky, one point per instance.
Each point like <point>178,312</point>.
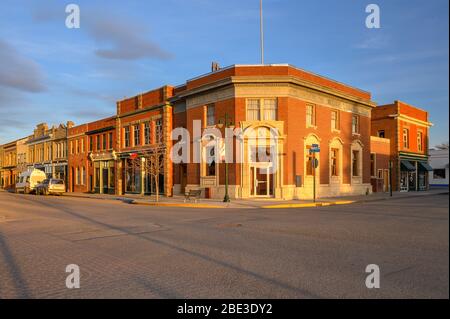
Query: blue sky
<point>52,74</point>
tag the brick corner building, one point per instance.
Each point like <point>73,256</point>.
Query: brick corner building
<point>407,128</point>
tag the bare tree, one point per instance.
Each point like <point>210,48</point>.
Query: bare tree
<point>152,162</point>
<point>442,146</point>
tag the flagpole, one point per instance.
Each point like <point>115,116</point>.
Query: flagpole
<point>261,30</point>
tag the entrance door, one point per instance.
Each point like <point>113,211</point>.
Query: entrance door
<point>105,180</point>
<point>261,182</point>
<point>73,180</point>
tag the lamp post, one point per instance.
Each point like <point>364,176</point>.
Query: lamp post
<point>227,123</point>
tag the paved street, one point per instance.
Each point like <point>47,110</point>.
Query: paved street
<point>131,251</point>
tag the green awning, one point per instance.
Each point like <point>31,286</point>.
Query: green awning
<point>407,166</point>
<point>424,166</point>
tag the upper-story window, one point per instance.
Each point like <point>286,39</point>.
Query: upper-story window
<point>137,135</point>
<point>147,133</point>
<point>98,142</point>
<point>420,141</point>
<point>381,133</point>
<point>110,141</point>
<point>82,144</point>
<point>91,143</point>
<point>253,107</point>
<point>262,110</point>
<point>127,136</point>
<point>355,124</point>
<point>310,115</point>
<point>104,141</point>
<point>210,115</point>
<point>158,131</point>
<point>406,138</point>
<point>269,113</point>
<point>335,120</point>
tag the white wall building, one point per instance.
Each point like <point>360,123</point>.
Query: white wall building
<point>439,162</point>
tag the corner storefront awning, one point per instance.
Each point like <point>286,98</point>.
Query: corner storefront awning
<point>407,166</point>
<point>424,166</point>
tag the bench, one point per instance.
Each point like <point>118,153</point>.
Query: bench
<point>193,193</point>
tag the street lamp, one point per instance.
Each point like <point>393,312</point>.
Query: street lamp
<point>227,123</point>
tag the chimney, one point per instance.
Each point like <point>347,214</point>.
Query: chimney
<point>215,66</point>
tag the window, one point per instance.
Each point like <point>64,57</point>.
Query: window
<point>137,135</point>
<point>381,134</point>
<point>309,161</point>
<point>355,124</point>
<point>420,141</point>
<point>98,142</point>
<point>158,131</point>
<point>380,174</point>
<point>82,145</point>
<point>310,115</point>
<point>71,149</point>
<point>262,110</point>
<point>104,141</point>
<point>91,143</point>
<point>439,173</point>
<point>355,163</point>
<point>82,175</point>
<point>110,141</point>
<point>127,136</point>
<point>335,120</point>
<point>210,115</point>
<point>77,174</point>
<point>334,162</point>
<point>405,138</point>
<point>147,133</point>
<point>253,106</point>
<point>270,110</point>
<point>372,164</point>
<point>210,161</point>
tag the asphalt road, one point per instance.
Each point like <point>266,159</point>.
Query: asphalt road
<point>130,251</point>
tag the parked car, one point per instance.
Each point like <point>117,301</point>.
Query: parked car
<point>28,181</point>
<point>51,186</point>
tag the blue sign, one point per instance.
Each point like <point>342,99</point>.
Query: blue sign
<point>314,148</point>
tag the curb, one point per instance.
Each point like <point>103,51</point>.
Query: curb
<point>187,205</point>
<point>308,205</point>
<point>348,202</point>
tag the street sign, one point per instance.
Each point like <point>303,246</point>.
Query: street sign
<point>315,148</point>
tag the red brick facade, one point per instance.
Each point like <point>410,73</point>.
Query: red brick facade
<point>407,128</point>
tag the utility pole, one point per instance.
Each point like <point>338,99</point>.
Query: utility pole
<point>314,176</point>
<point>261,30</point>
<point>390,178</point>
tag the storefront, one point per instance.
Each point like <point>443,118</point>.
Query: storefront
<point>104,177</point>
<point>414,175</point>
<point>138,179</point>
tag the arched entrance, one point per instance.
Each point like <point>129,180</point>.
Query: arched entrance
<point>261,168</point>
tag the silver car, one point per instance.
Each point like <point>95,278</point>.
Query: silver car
<point>51,186</point>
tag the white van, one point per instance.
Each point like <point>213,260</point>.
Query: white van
<point>29,180</point>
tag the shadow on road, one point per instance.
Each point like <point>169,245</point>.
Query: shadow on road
<point>13,269</point>
<point>296,290</point>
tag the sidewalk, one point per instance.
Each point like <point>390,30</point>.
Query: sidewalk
<point>178,201</point>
